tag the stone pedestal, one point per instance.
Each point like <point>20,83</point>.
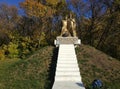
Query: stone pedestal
<point>67,40</point>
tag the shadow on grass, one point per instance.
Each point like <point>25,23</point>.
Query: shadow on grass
<point>52,67</point>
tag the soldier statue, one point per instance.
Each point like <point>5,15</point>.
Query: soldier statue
<point>69,27</point>
<point>65,32</point>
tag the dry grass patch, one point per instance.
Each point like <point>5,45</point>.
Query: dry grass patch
<point>95,64</point>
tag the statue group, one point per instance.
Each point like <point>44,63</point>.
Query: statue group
<point>69,27</point>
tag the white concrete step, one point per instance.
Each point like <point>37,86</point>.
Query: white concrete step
<point>67,62</point>
<point>66,46</point>
<point>67,69</point>
<point>67,65</point>
<point>71,78</point>
<point>67,54</point>
<point>67,58</point>
<point>67,50</point>
<point>68,73</point>
<point>68,85</point>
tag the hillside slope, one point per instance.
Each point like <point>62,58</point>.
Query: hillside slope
<point>37,71</point>
<point>30,73</point>
<point>94,64</point>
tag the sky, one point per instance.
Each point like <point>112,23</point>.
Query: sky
<point>15,3</point>
<point>12,2</point>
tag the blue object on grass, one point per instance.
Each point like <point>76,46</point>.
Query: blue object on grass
<point>97,84</point>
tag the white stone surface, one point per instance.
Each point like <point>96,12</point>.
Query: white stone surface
<point>68,85</point>
<point>67,62</point>
<point>67,74</point>
<point>68,69</point>
<point>68,79</point>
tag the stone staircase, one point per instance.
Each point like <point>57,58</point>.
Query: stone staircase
<point>67,74</point>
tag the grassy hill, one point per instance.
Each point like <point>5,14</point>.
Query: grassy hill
<point>37,71</point>
<point>31,73</point>
<point>95,64</point>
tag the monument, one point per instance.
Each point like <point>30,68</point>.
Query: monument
<point>65,32</point>
<point>68,32</point>
<point>67,75</point>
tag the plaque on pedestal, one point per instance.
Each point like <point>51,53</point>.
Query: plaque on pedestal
<point>67,40</point>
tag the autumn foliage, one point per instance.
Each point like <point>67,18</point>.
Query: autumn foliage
<point>98,24</point>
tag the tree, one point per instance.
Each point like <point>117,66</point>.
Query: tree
<point>8,20</point>
<point>42,12</point>
<point>109,39</point>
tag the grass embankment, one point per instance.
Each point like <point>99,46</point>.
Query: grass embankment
<point>95,64</point>
<point>31,73</point>
<point>37,71</point>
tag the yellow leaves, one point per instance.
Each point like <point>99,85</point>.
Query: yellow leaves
<point>13,51</point>
<point>37,9</point>
<point>34,8</point>
<point>52,2</point>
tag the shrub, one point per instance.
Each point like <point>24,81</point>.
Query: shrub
<point>13,51</point>
<point>2,54</point>
<point>24,49</point>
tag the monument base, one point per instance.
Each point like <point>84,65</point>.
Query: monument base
<point>67,40</point>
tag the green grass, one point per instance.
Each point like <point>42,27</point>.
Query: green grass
<point>37,71</point>
<point>31,73</point>
<point>4,71</point>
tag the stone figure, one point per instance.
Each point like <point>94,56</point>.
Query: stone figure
<point>65,32</point>
<point>69,27</point>
<point>73,26</point>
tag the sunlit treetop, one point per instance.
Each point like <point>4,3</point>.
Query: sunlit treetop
<point>33,8</point>
<point>39,8</point>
